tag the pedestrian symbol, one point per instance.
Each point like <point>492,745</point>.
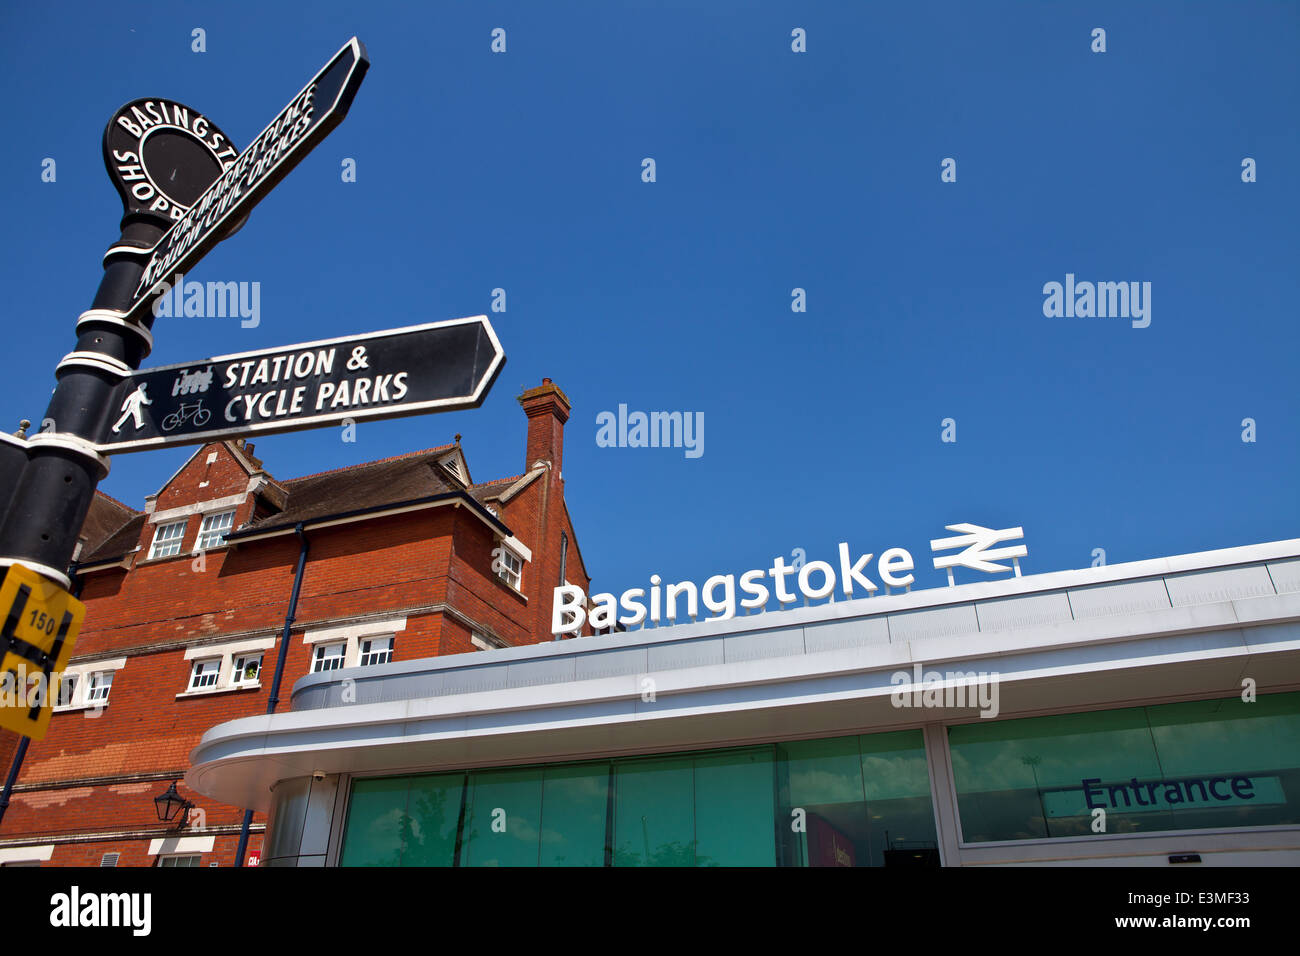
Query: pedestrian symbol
<point>132,408</point>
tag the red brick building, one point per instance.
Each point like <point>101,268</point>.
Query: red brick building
<point>187,600</point>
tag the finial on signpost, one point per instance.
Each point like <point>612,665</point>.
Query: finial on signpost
<point>22,429</point>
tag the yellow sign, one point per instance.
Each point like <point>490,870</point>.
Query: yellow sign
<point>39,622</point>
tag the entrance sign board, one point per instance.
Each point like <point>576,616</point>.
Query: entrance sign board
<point>441,366</point>
<point>39,622</point>
<point>308,119</point>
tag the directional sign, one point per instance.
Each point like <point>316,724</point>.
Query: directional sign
<point>162,155</point>
<point>39,622</point>
<point>439,367</point>
<point>308,119</point>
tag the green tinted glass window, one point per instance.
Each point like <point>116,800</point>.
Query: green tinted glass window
<point>735,807</point>
<point>503,818</point>
<point>802,803</point>
<point>1235,764</point>
<point>1202,764</point>
<point>575,802</point>
<point>654,812</point>
<point>432,816</point>
<point>822,803</point>
<point>376,821</point>
<point>900,814</point>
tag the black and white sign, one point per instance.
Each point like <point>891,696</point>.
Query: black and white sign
<point>439,367</point>
<point>308,119</point>
<point>162,155</point>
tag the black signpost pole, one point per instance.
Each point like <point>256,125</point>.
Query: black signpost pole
<point>185,188</point>
<point>148,146</point>
<point>54,490</point>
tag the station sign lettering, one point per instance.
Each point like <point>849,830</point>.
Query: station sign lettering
<point>441,366</point>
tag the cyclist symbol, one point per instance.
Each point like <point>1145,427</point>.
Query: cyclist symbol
<point>186,412</point>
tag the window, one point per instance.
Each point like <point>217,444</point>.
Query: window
<point>865,801</point>
<point>1192,765</point>
<point>217,668</point>
<point>67,690</point>
<point>353,645</point>
<point>178,860</point>
<point>510,568</point>
<point>205,673</point>
<point>246,670</point>
<point>86,686</point>
<point>329,657</point>
<point>212,533</point>
<point>376,650</point>
<point>167,540</point>
<point>101,682</point>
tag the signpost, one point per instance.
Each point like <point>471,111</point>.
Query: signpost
<point>162,155</point>
<point>308,119</point>
<point>436,367</point>
<point>185,188</point>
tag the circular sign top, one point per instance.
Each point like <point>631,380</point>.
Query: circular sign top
<point>162,155</point>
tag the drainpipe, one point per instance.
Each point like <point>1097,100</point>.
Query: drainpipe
<point>21,753</point>
<point>279,669</point>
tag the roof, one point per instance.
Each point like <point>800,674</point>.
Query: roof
<point>106,516</point>
<point>370,485</point>
<point>374,484</point>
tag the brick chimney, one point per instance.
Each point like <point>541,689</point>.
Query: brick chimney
<point>547,409</point>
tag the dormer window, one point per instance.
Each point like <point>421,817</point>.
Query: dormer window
<point>212,534</point>
<point>167,540</point>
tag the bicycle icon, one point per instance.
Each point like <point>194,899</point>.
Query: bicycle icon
<point>186,412</point>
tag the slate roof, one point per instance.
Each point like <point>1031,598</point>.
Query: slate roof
<point>353,488</point>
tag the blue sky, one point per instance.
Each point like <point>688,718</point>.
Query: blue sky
<point>775,170</point>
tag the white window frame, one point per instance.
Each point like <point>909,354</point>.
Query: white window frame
<point>227,679</point>
<point>510,574</point>
<point>177,857</point>
<point>160,543</point>
<point>97,681</point>
<point>208,531</point>
<point>81,675</point>
<point>352,635</point>
<point>323,662</point>
<point>76,681</point>
<point>516,549</point>
<point>203,668</point>
<point>239,664</point>
<point>366,649</point>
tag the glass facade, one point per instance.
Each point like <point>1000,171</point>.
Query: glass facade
<point>1184,766</point>
<point>848,801</point>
